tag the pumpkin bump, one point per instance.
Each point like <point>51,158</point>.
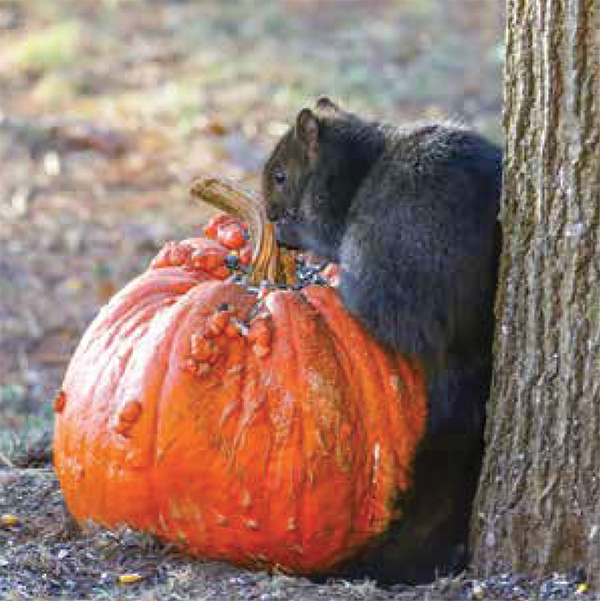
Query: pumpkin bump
<point>59,401</point>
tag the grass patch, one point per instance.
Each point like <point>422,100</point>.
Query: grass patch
<point>48,48</point>
<point>54,88</point>
<point>30,442</point>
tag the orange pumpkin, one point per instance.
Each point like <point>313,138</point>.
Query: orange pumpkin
<point>268,430</point>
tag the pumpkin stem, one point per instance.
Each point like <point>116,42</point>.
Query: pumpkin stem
<point>269,262</point>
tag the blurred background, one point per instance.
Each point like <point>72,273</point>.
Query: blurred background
<point>108,108</point>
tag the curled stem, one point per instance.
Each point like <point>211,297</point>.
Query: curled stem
<point>269,262</point>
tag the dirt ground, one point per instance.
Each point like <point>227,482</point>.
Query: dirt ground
<point>108,109</point>
<point>45,555</point>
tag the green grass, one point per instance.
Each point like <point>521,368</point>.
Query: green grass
<point>54,88</point>
<point>47,48</point>
<point>30,442</point>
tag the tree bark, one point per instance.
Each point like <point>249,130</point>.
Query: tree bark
<point>538,504</point>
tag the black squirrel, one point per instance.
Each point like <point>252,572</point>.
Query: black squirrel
<point>410,214</point>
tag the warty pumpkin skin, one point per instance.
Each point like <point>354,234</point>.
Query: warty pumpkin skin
<point>266,431</point>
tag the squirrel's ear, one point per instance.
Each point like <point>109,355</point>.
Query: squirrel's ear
<point>307,131</point>
<point>327,105</point>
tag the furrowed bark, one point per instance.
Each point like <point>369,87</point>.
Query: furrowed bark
<point>538,505</point>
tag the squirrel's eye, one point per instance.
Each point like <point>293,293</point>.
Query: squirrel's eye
<point>279,177</point>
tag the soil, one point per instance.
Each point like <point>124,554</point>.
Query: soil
<point>108,109</point>
<point>45,555</point>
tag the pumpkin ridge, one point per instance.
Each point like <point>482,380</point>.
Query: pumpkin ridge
<point>347,363</point>
<point>133,322</point>
<point>184,390</point>
<point>242,383</point>
<point>115,328</point>
<point>301,410</point>
<point>279,471</point>
<point>299,485</point>
<point>130,304</point>
<point>186,308</point>
<point>188,312</point>
<point>271,383</point>
<point>130,322</point>
<point>156,369</point>
<point>396,453</point>
<point>101,345</point>
<point>245,406</point>
<point>394,414</point>
<point>209,290</point>
<point>294,325</point>
<point>344,362</point>
<point>255,397</point>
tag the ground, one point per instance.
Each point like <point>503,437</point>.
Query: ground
<point>108,109</point>
<point>47,556</point>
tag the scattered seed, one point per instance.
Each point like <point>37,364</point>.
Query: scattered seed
<point>232,262</point>
<point>9,519</point>
<point>130,578</point>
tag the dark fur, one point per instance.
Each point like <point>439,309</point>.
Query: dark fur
<point>411,216</point>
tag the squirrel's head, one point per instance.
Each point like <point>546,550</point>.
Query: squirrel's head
<point>301,181</point>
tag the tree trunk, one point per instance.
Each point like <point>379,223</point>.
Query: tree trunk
<point>538,505</point>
